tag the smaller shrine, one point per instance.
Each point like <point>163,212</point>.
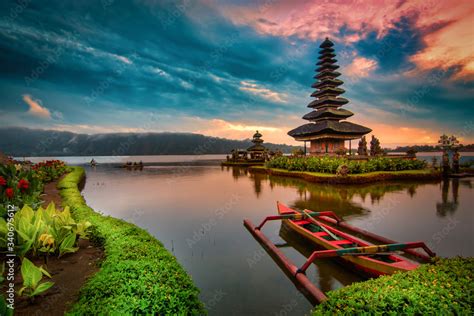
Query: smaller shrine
<point>257,151</point>
<point>254,155</point>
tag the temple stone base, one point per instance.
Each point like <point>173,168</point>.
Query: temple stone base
<point>328,146</point>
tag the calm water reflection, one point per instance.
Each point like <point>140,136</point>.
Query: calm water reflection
<point>197,212</point>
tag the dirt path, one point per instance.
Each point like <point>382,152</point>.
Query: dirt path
<point>51,194</point>
<point>69,273</point>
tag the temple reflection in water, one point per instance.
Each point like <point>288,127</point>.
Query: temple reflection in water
<point>347,200</point>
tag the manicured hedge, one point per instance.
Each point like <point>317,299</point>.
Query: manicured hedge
<point>330,164</point>
<point>443,288</point>
<point>137,276</point>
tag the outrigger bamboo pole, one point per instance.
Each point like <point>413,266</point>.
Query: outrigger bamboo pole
<point>373,236</point>
<point>300,216</point>
<point>360,251</point>
<point>303,284</point>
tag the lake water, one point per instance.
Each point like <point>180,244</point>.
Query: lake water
<point>196,208</point>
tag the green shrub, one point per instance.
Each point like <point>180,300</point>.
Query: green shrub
<point>138,275</point>
<point>443,288</point>
<point>330,164</point>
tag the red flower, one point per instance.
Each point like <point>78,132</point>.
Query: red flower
<point>23,184</point>
<point>9,193</point>
<point>3,182</point>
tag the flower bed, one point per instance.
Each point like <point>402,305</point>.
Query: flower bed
<point>50,170</point>
<point>443,288</point>
<point>138,275</point>
<point>18,187</point>
<point>331,164</point>
<point>22,184</point>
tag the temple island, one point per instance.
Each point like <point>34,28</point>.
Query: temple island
<point>256,154</point>
<point>330,158</point>
<point>325,132</point>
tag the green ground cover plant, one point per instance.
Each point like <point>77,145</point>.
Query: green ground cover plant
<point>138,275</point>
<point>331,164</point>
<point>445,287</point>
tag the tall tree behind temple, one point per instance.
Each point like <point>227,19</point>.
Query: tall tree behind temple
<point>375,148</point>
<point>362,149</point>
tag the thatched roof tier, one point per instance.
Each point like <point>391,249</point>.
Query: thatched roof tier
<point>257,143</point>
<point>326,52</point>
<point>327,83</point>
<point>327,74</point>
<point>330,114</point>
<point>326,60</point>
<point>327,55</point>
<point>327,67</point>
<point>326,92</point>
<point>328,102</point>
<point>326,43</point>
<point>256,147</point>
<point>329,127</point>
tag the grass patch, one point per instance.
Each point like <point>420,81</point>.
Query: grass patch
<point>137,276</point>
<point>443,288</point>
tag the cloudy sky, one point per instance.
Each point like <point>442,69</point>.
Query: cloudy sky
<point>225,68</point>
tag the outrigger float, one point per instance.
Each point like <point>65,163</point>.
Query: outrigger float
<point>318,227</point>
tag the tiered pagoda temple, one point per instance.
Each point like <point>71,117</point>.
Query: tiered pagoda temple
<point>325,132</point>
<point>257,150</point>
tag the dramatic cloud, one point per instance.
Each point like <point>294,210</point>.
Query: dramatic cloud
<point>265,93</point>
<point>226,68</point>
<point>446,26</point>
<point>35,108</point>
<point>361,67</point>
<point>451,46</point>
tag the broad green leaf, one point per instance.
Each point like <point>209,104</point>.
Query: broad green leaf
<point>41,288</point>
<point>44,272</point>
<point>68,244</point>
<point>30,273</point>
<point>51,208</point>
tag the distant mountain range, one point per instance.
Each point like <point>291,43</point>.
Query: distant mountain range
<point>19,142</point>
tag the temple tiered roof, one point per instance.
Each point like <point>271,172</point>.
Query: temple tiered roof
<point>257,143</point>
<point>327,112</point>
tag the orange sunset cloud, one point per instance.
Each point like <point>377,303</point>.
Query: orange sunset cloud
<point>446,26</point>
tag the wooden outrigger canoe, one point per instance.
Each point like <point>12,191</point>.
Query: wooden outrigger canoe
<point>372,260</point>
